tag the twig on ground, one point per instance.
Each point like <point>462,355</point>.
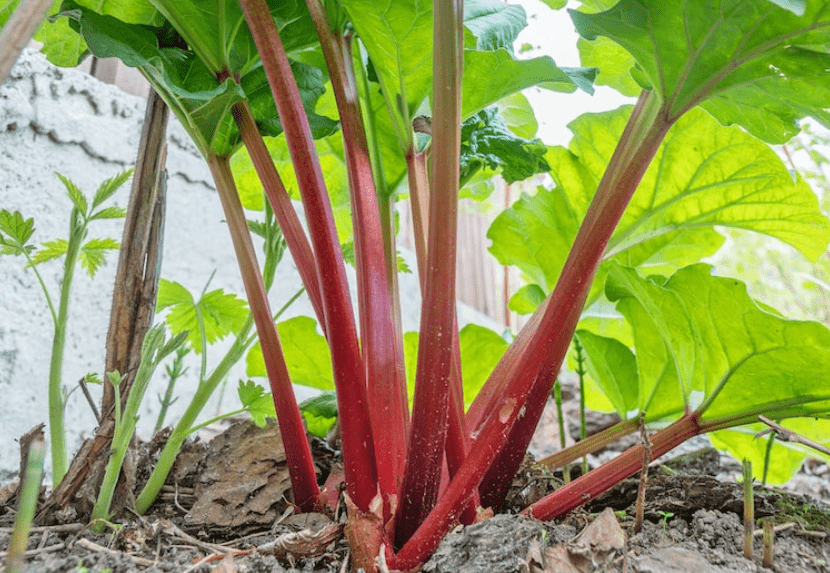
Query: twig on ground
<point>641,489</point>
<point>30,552</point>
<point>92,546</point>
<point>789,436</point>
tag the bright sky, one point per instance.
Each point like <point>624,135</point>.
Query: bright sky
<point>553,34</point>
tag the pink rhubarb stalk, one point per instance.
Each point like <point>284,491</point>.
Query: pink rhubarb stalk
<point>349,375</point>
<point>585,488</point>
<point>435,349</point>
<point>546,350</point>
<point>280,201</point>
<point>640,140</point>
<point>386,396</point>
<point>297,451</point>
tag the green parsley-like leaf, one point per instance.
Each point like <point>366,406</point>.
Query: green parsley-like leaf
<point>109,187</point>
<point>15,232</point>
<point>50,250</point>
<point>256,401</point>
<point>222,313</point>
<point>109,213</point>
<point>93,253</point>
<point>75,195</point>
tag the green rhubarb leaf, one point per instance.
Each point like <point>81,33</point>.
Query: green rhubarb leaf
<point>518,115</point>
<point>93,254</point>
<point>704,175</point>
<point>319,413</point>
<point>786,457</point>
<point>256,401</point>
<point>728,358</point>
<point>481,349</point>
<point>612,365</point>
<point>490,76</point>
<point>330,154</point>
<point>306,354</point>
<point>613,62</point>
<point>221,313</point>
<point>61,45</point>
<point>486,142</point>
<point>397,35</point>
<point>129,11</point>
<point>494,23</point>
<point>747,62</point>
<point>15,232</point>
<point>526,299</point>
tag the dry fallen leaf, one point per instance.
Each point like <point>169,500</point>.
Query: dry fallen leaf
<point>592,550</point>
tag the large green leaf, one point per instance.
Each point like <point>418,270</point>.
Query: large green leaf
<point>489,76</point>
<point>734,360</point>
<point>330,154</point>
<point>481,349</point>
<point>130,11</point>
<point>748,62</point>
<point>612,365</point>
<point>702,176</point>
<point>190,88</point>
<point>494,23</point>
<point>785,458</point>
<point>612,61</point>
<point>306,354</point>
<point>398,36</point>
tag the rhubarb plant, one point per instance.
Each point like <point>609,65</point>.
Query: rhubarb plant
<point>636,199</point>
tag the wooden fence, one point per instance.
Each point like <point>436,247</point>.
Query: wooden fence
<point>482,283</point>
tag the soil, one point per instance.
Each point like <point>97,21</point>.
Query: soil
<point>225,510</point>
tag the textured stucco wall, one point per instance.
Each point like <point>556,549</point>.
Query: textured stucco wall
<point>63,120</point>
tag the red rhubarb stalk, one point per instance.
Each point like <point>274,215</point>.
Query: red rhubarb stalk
<point>592,484</point>
<point>457,435</point>
<point>349,375</point>
<point>549,344</point>
<point>435,354</point>
<point>376,326</point>
<point>297,451</point>
<point>280,201</point>
<point>640,140</point>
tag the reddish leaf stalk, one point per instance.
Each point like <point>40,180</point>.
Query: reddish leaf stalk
<point>587,487</point>
<point>457,436</point>
<point>297,451</point>
<point>640,140</point>
<point>549,344</point>
<point>590,444</point>
<point>376,325</point>
<point>349,375</point>
<point>435,349</point>
<point>280,202</point>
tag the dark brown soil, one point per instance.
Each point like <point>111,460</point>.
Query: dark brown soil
<point>225,511</point>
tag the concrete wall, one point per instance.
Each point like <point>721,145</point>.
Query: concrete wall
<point>59,120</point>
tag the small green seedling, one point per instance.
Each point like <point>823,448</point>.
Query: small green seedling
<point>15,235</point>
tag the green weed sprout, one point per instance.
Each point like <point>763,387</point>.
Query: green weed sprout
<point>15,233</point>
<point>153,351</point>
<point>30,491</point>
